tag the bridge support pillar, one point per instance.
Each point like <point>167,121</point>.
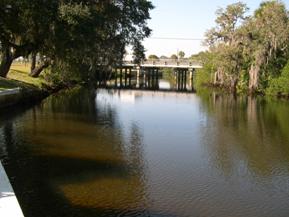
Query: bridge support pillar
<point>115,77</point>
<point>192,72</point>
<point>125,77</point>
<point>157,78</point>
<point>144,77</point>
<point>120,77</point>
<point>152,78</point>
<point>179,79</point>
<point>138,77</point>
<point>149,78</point>
<point>129,78</point>
<point>185,79</point>
<point>181,76</point>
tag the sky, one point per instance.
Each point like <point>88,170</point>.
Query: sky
<point>185,19</point>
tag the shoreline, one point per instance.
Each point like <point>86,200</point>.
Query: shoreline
<point>226,90</point>
<point>20,95</point>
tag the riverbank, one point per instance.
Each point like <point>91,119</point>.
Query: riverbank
<point>14,92</point>
<point>241,93</point>
<point>20,88</point>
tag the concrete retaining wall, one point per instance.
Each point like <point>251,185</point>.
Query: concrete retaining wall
<point>10,97</point>
<point>20,96</point>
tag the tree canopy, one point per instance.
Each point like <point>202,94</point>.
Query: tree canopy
<point>249,49</point>
<point>153,57</point>
<point>72,35</point>
<point>181,54</point>
<point>174,57</point>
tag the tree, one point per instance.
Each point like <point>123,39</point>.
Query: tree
<point>174,57</point>
<point>225,40</point>
<point>203,76</point>
<point>227,22</point>
<point>84,36</point>
<point>23,28</point>
<point>181,54</point>
<point>163,57</point>
<point>100,31</point>
<point>153,57</point>
<point>254,49</point>
<point>138,53</point>
<point>268,41</point>
<point>280,86</point>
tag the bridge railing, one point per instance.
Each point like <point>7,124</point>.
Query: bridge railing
<point>167,62</point>
<point>172,62</point>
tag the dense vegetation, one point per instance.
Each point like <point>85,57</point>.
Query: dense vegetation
<point>77,39</point>
<point>73,38</point>
<point>248,53</point>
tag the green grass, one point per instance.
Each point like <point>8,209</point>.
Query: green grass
<point>18,76</point>
<point>20,72</point>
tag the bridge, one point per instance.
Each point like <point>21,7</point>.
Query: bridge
<point>147,74</point>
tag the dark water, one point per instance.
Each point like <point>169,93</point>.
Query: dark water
<point>143,153</point>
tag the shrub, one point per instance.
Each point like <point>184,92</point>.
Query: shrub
<point>280,86</point>
<point>202,77</point>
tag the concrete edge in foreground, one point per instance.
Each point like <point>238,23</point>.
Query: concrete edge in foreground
<point>9,206</point>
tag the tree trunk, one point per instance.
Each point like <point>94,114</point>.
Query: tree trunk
<point>254,78</point>
<point>254,73</point>
<point>33,61</point>
<point>233,85</point>
<point>6,62</point>
<point>36,72</point>
<point>219,77</point>
<point>216,78</point>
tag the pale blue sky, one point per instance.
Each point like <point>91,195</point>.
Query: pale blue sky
<point>185,19</point>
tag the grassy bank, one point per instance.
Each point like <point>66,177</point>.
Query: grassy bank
<point>31,89</point>
<point>19,77</point>
<point>20,72</point>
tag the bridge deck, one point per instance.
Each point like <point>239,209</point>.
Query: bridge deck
<point>166,63</point>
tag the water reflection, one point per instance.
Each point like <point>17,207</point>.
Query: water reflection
<point>250,128</point>
<point>75,159</point>
<point>148,153</point>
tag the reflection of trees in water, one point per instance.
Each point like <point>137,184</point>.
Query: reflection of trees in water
<point>137,157</point>
<point>78,101</point>
<point>247,132</point>
<point>67,165</point>
<point>6,137</point>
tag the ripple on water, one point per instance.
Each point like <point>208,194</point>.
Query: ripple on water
<point>134,153</point>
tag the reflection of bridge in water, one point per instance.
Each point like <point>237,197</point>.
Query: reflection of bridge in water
<point>147,75</point>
